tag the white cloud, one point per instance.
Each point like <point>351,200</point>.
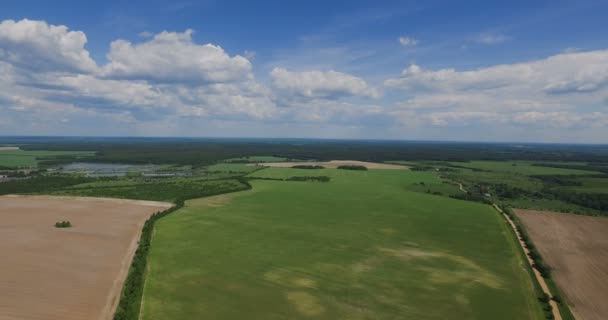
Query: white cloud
<point>559,91</point>
<point>38,46</point>
<point>489,38</point>
<point>174,57</point>
<point>320,85</point>
<point>407,41</point>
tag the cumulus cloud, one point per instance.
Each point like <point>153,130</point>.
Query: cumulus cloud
<point>407,41</point>
<point>174,57</point>
<point>320,84</point>
<point>556,91</point>
<point>40,47</point>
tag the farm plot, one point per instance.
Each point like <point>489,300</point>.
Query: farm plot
<point>361,246</point>
<point>70,273</point>
<point>576,249</point>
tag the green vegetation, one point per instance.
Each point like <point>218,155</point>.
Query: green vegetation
<point>23,158</point>
<point>254,159</point>
<point>352,167</point>
<point>518,167</point>
<point>362,246</point>
<point>304,166</point>
<point>171,191</point>
<point>130,299</point>
<point>63,224</point>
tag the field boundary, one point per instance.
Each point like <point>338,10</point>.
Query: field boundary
<point>540,280</point>
<point>130,303</point>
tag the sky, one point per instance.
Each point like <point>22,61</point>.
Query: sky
<point>526,71</point>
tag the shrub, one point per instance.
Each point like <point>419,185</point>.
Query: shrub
<point>351,167</point>
<point>308,166</point>
<point>63,224</point>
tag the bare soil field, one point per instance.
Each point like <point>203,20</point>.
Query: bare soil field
<point>8,148</point>
<point>576,248</point>
<point>333,164</point>
<point>71,273</point>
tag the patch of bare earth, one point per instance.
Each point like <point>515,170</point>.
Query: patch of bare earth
<point>576,248</point>
<point>8,148</point>
<point>332,164</point>
<point>72,273</point>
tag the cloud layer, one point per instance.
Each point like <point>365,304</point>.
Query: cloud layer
<point>168,84</point>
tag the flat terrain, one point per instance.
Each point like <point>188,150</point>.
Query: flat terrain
<point>25,158</point>
<point>75,273</point>
<point>361,246</point>
<point>333,164</point>
<point>576,248</point>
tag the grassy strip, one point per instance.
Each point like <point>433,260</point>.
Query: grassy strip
<point>130,300</point>
<point>544,270</point>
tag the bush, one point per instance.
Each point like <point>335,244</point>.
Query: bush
<point>63,224</point>
<point>351,167</point>
<point>307,166</point>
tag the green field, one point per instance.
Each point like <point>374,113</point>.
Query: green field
<point>23,158</point>
<point>362,246</point>
<point>518,167</point>
<point>590,185</point>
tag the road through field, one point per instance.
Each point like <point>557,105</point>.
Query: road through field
<point>539,277</point>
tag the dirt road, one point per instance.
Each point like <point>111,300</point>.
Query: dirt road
<point>539,277</point>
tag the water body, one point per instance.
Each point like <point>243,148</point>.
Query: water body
<point>107,169</point>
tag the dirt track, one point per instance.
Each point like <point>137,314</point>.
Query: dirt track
<point>333,164</point>
<point>75,273</point>
<point>576,248</point>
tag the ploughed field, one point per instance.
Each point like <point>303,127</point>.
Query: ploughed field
<point>361,246</point>
<point>576,249</point>
<point>66,273</point>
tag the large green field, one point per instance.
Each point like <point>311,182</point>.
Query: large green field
<point>23,158</point>
<point>362,246</point>
<point>519,167</point>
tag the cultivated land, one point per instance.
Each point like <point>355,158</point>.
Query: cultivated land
<point>361,246</point>
<point>72,273</point>
<point>576,248</point>
<point>333,164</point>
<point>13,158</point>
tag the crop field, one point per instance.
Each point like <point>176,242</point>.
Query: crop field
<point>23,158</point>
<point>74,273</point>
<point>362,246</point>
<point>520,167</point>
<point>576,249</point>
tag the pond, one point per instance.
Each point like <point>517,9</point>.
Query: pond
<point>106,169</point>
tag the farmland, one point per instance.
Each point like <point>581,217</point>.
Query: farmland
<point>359,247</point>
<point>75,273</point>
<point>576,249</point>
<point>23,158</point>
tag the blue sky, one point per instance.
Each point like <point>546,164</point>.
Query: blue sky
<point>437,70</point>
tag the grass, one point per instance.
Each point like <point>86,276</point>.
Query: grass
<point>519,167</point>
<point>590,185</point>
<point>23,158</point>
<point>362,246</point>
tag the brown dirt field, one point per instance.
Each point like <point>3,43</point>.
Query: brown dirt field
<point>333,164</point>
<point>576,248</point>
<point>72,273</point>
